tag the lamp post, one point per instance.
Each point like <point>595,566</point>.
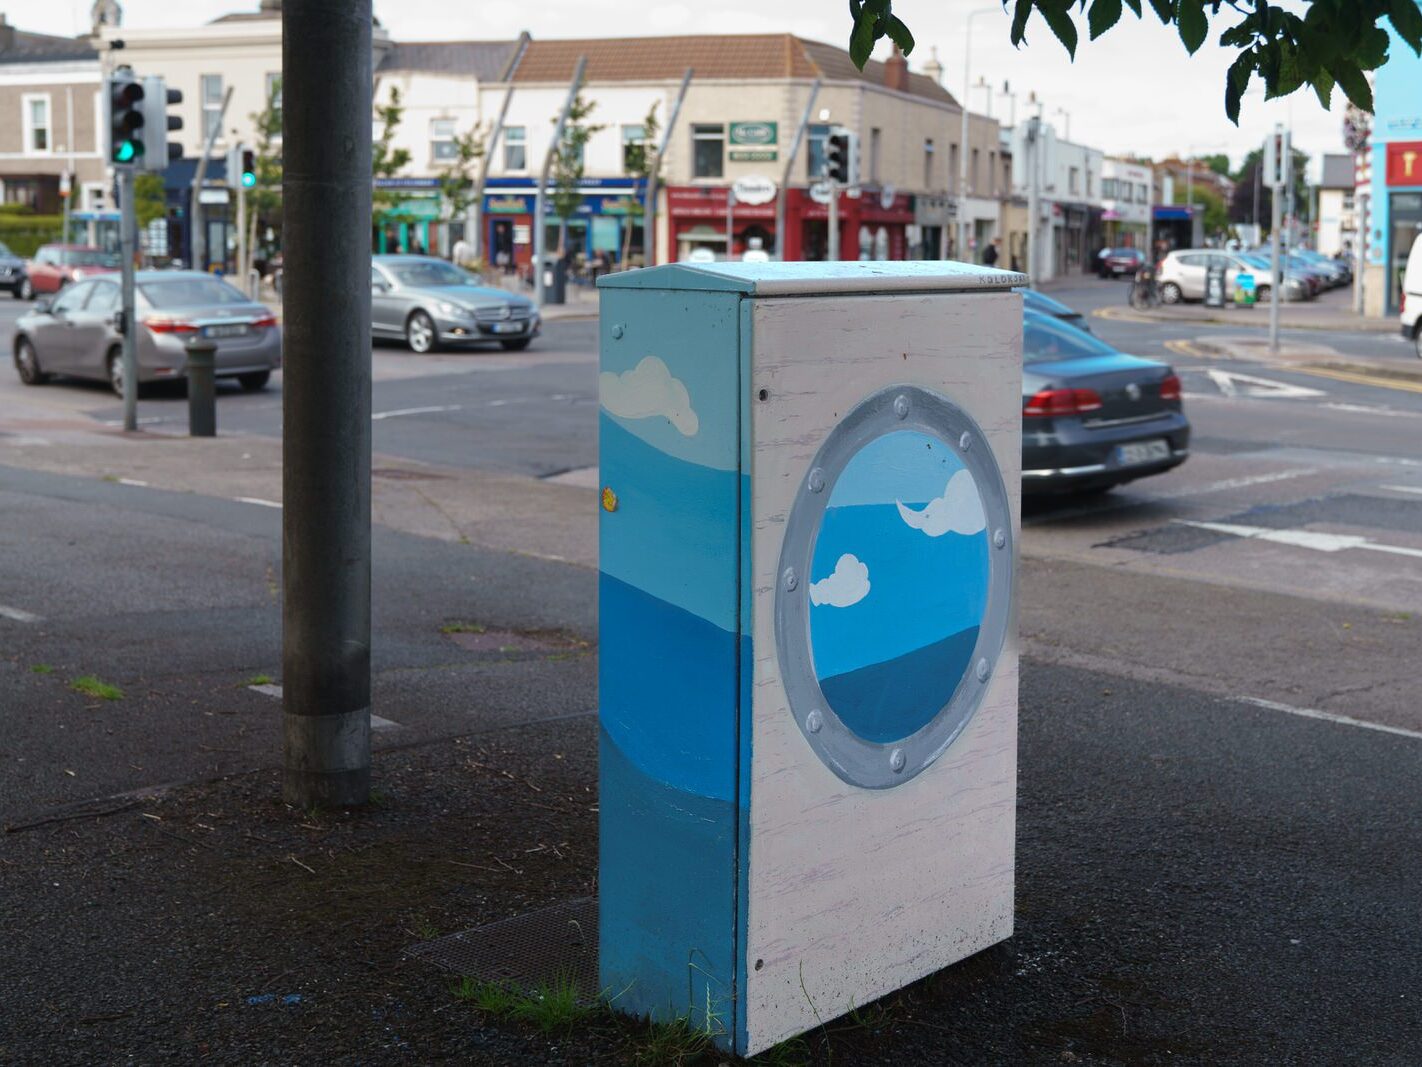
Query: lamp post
<point>1066,127</point>
<point>963,133</point>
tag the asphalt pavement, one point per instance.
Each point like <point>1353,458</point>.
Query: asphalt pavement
<point>1217,847</point>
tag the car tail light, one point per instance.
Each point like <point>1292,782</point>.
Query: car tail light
<point>159,324</point>
<point>265,320</point>
<point>1170,388</point>
<point>1053,402</point>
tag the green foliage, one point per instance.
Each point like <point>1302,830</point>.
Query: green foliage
<point>551,1007</point>
<point>264,197</point>
<point>41,668</point>
<point>1216,212</point>
<point>1334,42</point>
<point>149,198</point>
<point>1217,162</point>
<point>23,234</point>
<point>92,687</point>
<point>456,180</point>
<point>568,159</point>
<point>641,162</point>
<point>386,161</point>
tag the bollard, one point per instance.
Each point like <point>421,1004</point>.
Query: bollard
<point>808,654</point>
<point>202,388</point>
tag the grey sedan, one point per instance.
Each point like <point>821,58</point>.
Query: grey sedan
<point>76,332</point>
<point>428,303</point>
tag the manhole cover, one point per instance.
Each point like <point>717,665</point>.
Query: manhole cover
<point>395,474</point>
<point>482,640</point>
<point>526,952</point>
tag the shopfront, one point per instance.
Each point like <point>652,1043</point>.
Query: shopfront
<point>607,221</point>
<point>699,222</point>
<point>408,213</point>
<point>876,224</point>
<point>1404,213</point>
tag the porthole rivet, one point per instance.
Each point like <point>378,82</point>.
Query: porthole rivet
<point>814,721</point>
<point>617,332</point>
<point>790,580</point>
<point>901,406</point>
<point>983,670</point>
<point>896,760</point>
<point>817,480</point>
<point>999,539</point>
<point>966,441</point>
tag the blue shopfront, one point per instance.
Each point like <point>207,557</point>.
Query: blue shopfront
<point>1394,203</point>
<point>607,220</point>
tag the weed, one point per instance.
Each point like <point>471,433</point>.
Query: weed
<point>92,687</point>
<point>41,668</point>
<point>550,1006</point>
<point>259,679</point>
<point>792,1053</point>
<point>462,628</point>
<point>1398,616</point>
<point>379,798</point>
<point>428,931</point>
<point>110,478</point>
<point>673,1044</point>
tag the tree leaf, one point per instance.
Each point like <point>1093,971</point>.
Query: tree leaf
<point>1134,5</point>
<point>861,39</point>
<point>1323,87</point>
<point>898,33</point>
<point>1193,24</point>
<point>1104,14</point>
<point>1019,19</point>
<point>1236,82</point>
<point>1407,21</point>
<point>1060,21</point>
<point>1164,10</point>
<point>1351,80</point>
<point>1371,53</point>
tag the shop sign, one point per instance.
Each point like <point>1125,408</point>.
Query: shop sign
<point>886,197</point>
<point>753,189</point>
<point>820,192</point>
<point>754,155</point>
<point>617,205</point>
<point>507,205</point>
<point>1404,163</point>
<point>754,133</point>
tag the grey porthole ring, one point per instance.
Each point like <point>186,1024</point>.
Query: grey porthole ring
<point>854,759</point>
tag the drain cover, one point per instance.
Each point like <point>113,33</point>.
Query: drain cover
<point>525,952</point>
<point>395,474</point>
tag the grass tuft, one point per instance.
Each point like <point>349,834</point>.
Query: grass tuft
<point>549,1007</point>
<point>41,668</point>
<point>462,628</point>
<point>92,687</point>
<point>259,679</point>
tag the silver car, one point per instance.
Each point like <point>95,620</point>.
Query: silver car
<point>428,303</point>
<point>76,333</point>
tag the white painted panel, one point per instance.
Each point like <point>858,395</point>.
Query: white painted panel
<point>855,892</point>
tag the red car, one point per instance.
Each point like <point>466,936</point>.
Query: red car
<point>55,266</point>
<point>1114,262</point>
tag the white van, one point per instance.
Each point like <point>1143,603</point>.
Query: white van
<point>1412,296</point>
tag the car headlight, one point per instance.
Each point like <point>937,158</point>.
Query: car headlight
<point>452,310</point>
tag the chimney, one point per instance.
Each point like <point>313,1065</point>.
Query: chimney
<point>7,34</point>
<point>933,68</point>
<point>896,72</point>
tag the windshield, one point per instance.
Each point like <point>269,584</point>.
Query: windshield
<point>422,275</point>
<point>1045,338</point>
<point>184,292</point>
<point>1039,302</point>
<point>87,257</point>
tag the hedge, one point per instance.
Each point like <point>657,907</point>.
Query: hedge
<point>22,234</point>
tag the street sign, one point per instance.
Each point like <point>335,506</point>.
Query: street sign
<point>213,195</point>
<point>820,192</point>
<point>886,197</point>
<point>753,189</point>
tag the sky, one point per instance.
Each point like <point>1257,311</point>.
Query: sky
<point>1133,91</point>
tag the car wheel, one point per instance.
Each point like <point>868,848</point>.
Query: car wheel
<point>1261,294</point>
<point>115,366</point>
<point>26,291</point>
<point>27,363</point>
<point>420,333</point>
<point>1417,338</point>
<point>254,381</point>
<point>1170,293</point>
<point>517,345</point>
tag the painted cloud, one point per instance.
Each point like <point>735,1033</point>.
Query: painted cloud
<point>959,510</point>
<point>849,584</point>
<point>648,390</point>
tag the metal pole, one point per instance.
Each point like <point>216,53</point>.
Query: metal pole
<point>128,241</point>
<point>1033,142</point>
<point>69,165</point>
<point>476,209</point>
<point>1275,279</point>
<point>833,221</point>
<point>326,212</point>
<point>199,237</point>
<point>649,206</point>
<point>730,219</point>
<point>1360,262</point>
<point>784,193</point>
<point>540,229</point>
<point>241,227</point>
<point>963,131</point>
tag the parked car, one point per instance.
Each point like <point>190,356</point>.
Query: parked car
<point>1296,286</point>
<point>1094,417</point>
<point>13,275</point>
<point>76,333</point>
<point>1114,262</point>
<point>1035,301</point>
<point>1338,270</point>
<point>55,266</point>
<point>430,303</point>
<point>1411,315</point>
<point>1182,275</point>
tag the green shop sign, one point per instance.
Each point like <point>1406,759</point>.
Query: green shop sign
<point>754,133</point>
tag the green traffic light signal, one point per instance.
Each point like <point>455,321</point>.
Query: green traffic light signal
<point>124,152</point>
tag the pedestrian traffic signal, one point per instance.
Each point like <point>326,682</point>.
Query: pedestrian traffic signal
<point>839,157</point>
<point>249,168</point>
<point>157,124</point>
<point>125,96</point>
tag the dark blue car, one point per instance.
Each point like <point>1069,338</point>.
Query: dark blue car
<point>1093,417</point>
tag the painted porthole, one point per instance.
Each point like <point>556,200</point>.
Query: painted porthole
<point>895,586</point>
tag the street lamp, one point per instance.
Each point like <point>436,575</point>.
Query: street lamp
<point>1066,131</point>
<point>963,134</point>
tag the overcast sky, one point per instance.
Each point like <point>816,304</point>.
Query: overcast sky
<point>1133,91</point>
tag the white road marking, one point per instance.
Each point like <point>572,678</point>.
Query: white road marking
<point>258,501</point>
<point>1403,488</point>
<point>1237,483</point>
<point>414,411</point>
<point>1368,409</point>
<point>133,481</point>
<point>377,722</point>
<point>17,615</point>
<point>1328,716</point>
<point>1264,388</point>
<point>1311,539</point>
<point>150,420</point>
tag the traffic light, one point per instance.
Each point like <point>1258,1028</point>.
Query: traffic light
<point>241,167</point>
<point>126,135</point>
<point>249,168</point>
<point>839,157</point>
<point>157,124</point>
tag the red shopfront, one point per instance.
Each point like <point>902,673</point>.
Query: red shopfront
<point>873,225</point>
<point>696,217</point>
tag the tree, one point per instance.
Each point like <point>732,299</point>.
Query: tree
<point>264,197</point>
<point>1217,162</point>
<point>386,161</point>
<point>1216,214</point>
<point>150,200</point>
<point>568,165</point>
<point>456,180</point>
<point>1334,43</point>
<point>641,162</point>
<point>1241,208</point>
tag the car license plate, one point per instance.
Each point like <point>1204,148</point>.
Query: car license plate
<point>236,329</point>
<point>508,327</point>
<point>1142,452</point>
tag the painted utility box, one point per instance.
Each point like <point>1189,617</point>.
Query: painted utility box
<point>808,680</point>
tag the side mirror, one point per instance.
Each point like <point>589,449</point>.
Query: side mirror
<point>43,304</point>
<point>121,322</point>
<point>379,287</point>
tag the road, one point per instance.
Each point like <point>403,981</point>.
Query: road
<point>1218,690</point>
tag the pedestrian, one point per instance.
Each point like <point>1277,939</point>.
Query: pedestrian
<point>990,253</point>
<point>462,253</point>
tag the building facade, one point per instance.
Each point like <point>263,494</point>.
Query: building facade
<point>1335,215</point>
<point>1067,178</point>
<point>1394,200</point>
<point>1125,203</point>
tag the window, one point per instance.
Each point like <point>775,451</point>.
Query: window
<point>634,148</point>
<point>874,139</point>
<point>442,146</point>
<point>211,105</point>
<point>1073,179</point>
<point>992,172</point>
<point>815,158</point>
<point>105,300</point>
<point>274,95</point>
<point>72,298</point>
<point>515,147</point>
<point>953,168</point>
<point>1141,195</point>
<point>1125,191</point>
<point>1088,181</point>
<point>707,151</point>
<point>928,163</point>
<point>1046,338</point>
<point>1108,189</point>
<point>973,173</point>
<point>34,117</point>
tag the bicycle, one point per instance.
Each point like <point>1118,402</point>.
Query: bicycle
<point>1145,294</point>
